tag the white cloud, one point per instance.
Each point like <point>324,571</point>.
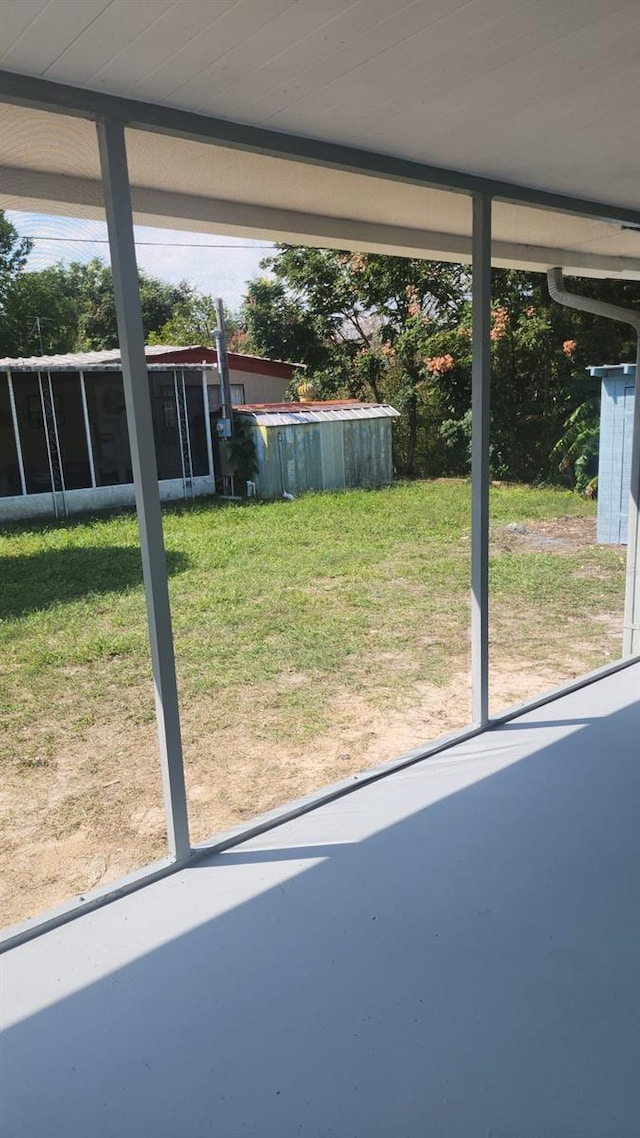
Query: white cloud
<point>221,271</point>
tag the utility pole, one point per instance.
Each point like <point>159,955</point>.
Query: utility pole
<point>225,425</point>
<point>223,363</point>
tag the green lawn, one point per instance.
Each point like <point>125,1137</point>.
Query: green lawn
<point>324,585</point>
<point>283,613</point>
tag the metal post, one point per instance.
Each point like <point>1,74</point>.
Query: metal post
<point>223,362</point>
<point>47,439</point>
<point>56,439</point>
<point>187,431</point>
<point>16,432</point>
<point>87,429</point>
<point>180,434</point>
<point>115,179</point>
<point>480,396</point>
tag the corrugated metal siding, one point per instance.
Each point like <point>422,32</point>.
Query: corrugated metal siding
<point>614,464</point>
<point>332,449</point>
<point>329,455</point>
<point>367,453</point>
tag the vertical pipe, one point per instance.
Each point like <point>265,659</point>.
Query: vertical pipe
<point>87,429</point>
<point>631,636</point>
<point>480,396</point>
<point>16,432</point>
<point>115,180</point>
<point>207,424</point>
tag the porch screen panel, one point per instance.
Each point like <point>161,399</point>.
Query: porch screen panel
<point>165,424</point>
<point>108,427</point>
<point>195,418</point>
<point>71,432</point>
<point>9,469</point>
<point>32,432</point>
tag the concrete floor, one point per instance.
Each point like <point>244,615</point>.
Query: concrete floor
<point>451,952</point>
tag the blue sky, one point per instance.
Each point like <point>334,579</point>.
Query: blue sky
<point>220,271</point>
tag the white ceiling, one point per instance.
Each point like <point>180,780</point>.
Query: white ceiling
<point>542,93</point>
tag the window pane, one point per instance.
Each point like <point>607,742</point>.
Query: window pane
<point>71,432</point>
<point>108,425</point>
<point>9,470</point>
<point>32,437</point>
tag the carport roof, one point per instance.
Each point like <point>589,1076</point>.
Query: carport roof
<point>358,125</point>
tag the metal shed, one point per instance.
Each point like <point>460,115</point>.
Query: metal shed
<point>614,464</point>
<point>321,446</point>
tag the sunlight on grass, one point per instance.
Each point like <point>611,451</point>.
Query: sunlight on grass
<point>308,635</point>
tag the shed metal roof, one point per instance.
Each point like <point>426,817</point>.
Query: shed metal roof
<point>277,416</point>
<point>613,369</point>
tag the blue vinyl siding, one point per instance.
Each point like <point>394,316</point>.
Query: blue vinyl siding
<point>614,466</point>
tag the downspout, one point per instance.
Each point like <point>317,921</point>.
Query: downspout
<point>558,292</point>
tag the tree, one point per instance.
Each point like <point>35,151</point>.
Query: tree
<point>92,283</point>
<point>41,314</point>
<point>541,352</point>
<point>395,329</point>
<point>193,321</point>
<point>358,321</point>
<point>72,308</point>
<point>14,251</point>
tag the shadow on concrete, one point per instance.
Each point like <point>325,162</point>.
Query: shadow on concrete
<point>465,968</point>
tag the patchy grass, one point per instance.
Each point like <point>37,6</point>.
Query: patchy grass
<point>362,588</point>
<point>296,624</point>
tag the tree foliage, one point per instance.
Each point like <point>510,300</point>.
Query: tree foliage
<point>14,251</point>
<point>193,321</point>
<point>361,323</point>
<point>69,308</point>
<point>399,330</point>
<point>368,326</point>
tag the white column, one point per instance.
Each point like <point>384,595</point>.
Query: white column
<point>480,396</point>
<point>115,178</point>
<point>16,432</point>
<point>47,440</point>
<point>87,429</point>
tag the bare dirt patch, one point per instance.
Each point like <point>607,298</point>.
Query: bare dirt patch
<point>96,812</point>
<point>567,535</point>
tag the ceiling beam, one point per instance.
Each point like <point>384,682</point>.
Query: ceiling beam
<point>64,193</point>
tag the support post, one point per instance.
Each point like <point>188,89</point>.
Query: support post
<point>480,397</point>
<point>16,432</point>
<point>87,429</point>
<point>47,438</point>
<point>115,179</point>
